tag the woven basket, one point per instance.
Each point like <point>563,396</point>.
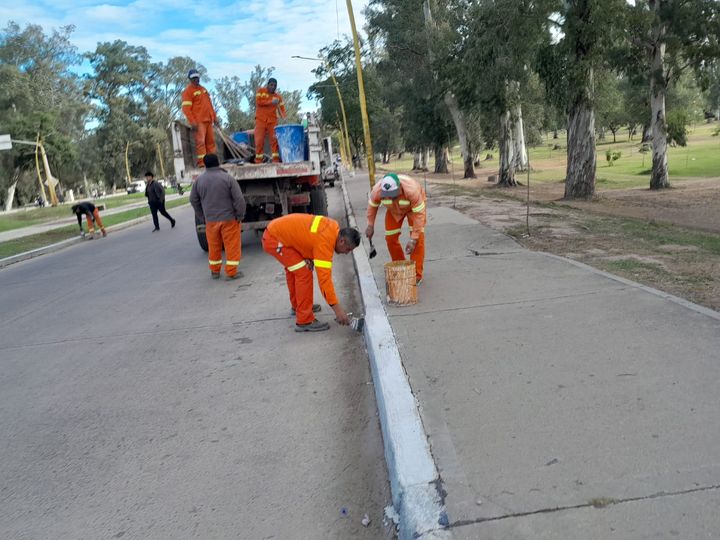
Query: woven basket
<point>400,283</point>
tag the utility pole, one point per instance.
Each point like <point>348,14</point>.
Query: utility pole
<point>160,159</point>
<point>361,92</point>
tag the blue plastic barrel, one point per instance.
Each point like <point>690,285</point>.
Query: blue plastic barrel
<point>241,137</point>
<point>291,140</point>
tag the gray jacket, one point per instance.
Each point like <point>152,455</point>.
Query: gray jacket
<point>216,196</point>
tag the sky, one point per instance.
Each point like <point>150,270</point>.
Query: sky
<point>228,38</point>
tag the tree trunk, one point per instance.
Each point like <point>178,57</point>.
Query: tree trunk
<point>506,174</point>
<point>442,158</point>
<point>580,175</point>
<point>647,133</point>
<point>10,198</point>
<point>417,161</point>
<point>520,156</point>
<point>459,119</point>
<point>385,157</point>
<point>425,160</point>
<point>659,178</point>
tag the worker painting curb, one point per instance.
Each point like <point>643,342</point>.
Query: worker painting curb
<point>7,261</point>
<point>414,478</point>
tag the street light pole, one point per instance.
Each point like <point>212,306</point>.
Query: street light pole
<point>361,92</point>
<point>344,127</point>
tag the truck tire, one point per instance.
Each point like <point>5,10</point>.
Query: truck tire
<point>318,201</point>
<point>200,229</point>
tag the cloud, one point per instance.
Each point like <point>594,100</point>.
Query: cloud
<point>229,37</point>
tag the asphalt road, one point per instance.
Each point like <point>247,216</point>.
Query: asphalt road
<point>140,399</point>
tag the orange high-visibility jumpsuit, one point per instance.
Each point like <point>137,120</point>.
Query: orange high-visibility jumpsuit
<point>295,239</point>
<point>219,234</point>
<point>198,109</point>
<point>266,115</point>
<point>409,203</point>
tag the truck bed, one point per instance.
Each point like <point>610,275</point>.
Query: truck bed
<point>262,171</point>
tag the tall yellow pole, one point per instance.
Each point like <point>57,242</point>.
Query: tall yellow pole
<point>345,122</point>
<point>361,92</point>
<point>50,180</point>
<point>37,167</point>
<point>343,155</point>
<point>160,159</point>
<point>127,164</point>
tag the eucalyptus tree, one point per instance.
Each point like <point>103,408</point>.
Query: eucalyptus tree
<point>587,30</point>
<point>497,49</point>
<point>42,95</point>
<point>400,28</point>
<point>673,35</point>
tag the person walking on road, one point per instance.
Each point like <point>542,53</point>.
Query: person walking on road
<point>268,106</point>
<point>155,194</point>
<point>301,243</point>
<point>402,197</point>
<point>199,111</point>
<point>92,215</point>
<point>219,203</point>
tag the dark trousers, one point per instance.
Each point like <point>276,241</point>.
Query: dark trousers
<point>156,207</point>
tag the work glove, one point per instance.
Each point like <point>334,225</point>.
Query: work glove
<point>275,101</point>
<point>370,231</point>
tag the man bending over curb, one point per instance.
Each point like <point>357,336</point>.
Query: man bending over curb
<point>301,242</point>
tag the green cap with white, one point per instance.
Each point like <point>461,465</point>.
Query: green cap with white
<point>390,186</point>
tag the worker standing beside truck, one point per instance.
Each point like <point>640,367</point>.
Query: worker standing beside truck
<point>199,111</point>
<point>268,107</point>
<point>402,197</point>
<point>219,203</point>
<point>301,243</point>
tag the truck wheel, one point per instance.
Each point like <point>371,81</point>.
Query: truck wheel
<point>318,201</point>
<point>200,229</point>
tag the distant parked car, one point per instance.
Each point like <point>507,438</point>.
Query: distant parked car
<point>137,187</point>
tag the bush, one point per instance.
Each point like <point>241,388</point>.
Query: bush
<point>612,156</point>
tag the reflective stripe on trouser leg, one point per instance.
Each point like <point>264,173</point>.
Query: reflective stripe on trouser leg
<point>230,231</point>
<point>98,220</point>
<point>91,228</point>
<point>213,234</point>
<point>418,255</point>
<point>393,240</point>
<point>274,147</point>
<point>299,281</point>
<point>210,147</point>
<point>259,140</point>
<point>200,140</point>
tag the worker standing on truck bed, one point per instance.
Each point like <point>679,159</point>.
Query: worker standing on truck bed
<point>92,215</point>
<point>268,106</point>
<point>219,203</point>
<point>402,197</point>
<point>301,242</point>
<point>198,109</point>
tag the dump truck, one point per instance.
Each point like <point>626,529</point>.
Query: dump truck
<point>271,190</point>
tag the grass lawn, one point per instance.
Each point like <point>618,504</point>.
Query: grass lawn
<point>699,159</point>
<point>27,243</point>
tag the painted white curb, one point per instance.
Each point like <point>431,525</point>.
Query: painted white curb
<point>69,242</point>
<point>414,478</point>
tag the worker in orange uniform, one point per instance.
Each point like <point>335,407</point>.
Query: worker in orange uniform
<point>92,215</point>
<point>302,242</point>
<point>219,203</point>
<point>198,109</point>
<point>402,197</point>
<point>268,107</point>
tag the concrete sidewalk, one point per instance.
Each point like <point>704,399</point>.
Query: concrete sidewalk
<point>558,401</point>
<point>72,220</point>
